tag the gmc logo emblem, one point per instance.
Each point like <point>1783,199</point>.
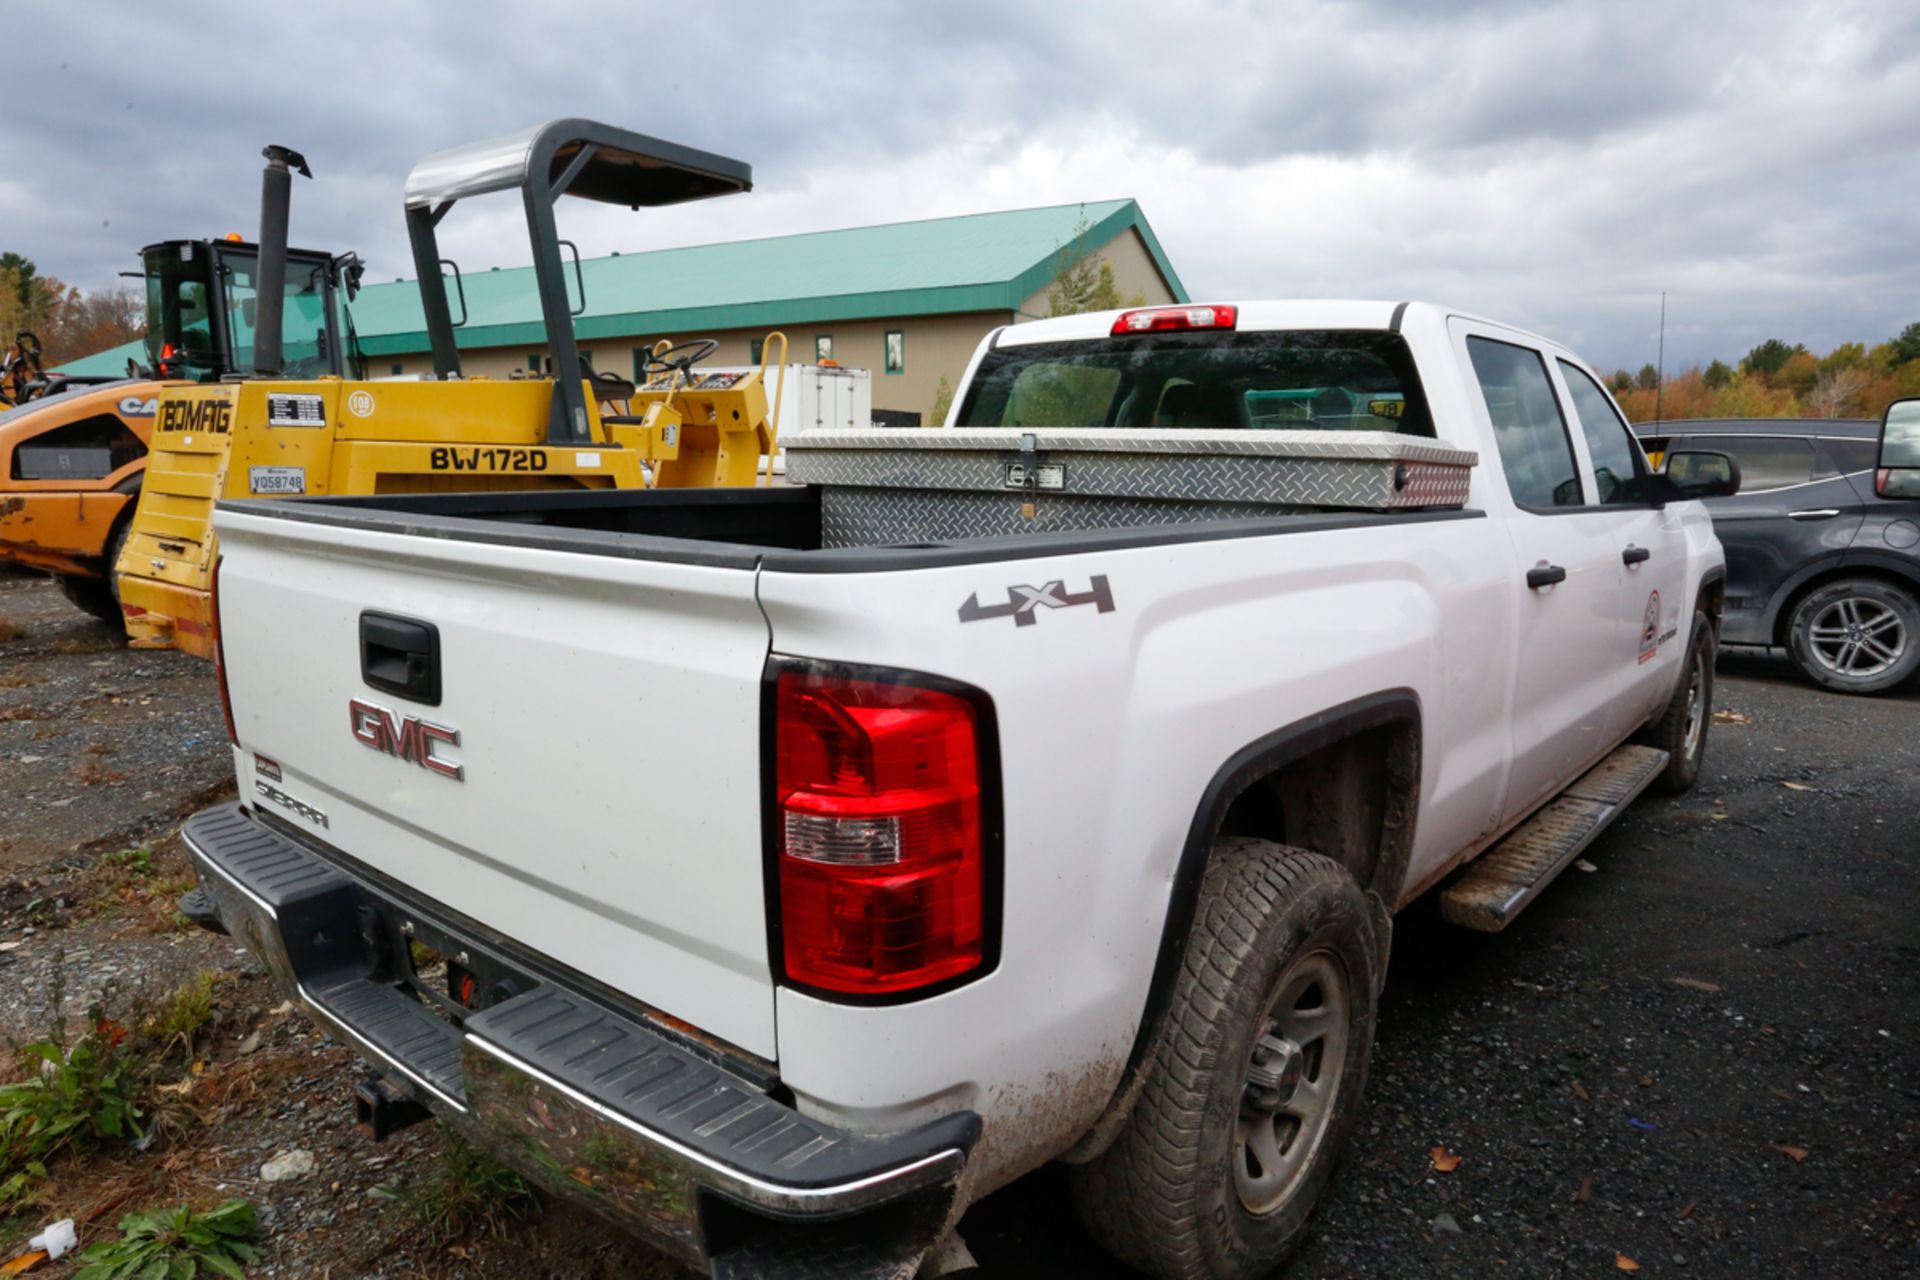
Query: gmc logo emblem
<point>406,738</point>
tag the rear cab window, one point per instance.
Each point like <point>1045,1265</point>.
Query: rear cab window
<point>1302,379</point>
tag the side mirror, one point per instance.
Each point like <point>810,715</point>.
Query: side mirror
<point>1698,473</point>
<point>1898,475</point>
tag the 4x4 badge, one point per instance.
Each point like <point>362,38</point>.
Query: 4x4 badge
<point>1024,603</point>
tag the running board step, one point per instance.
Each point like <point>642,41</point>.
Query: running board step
<point>1500,883</point>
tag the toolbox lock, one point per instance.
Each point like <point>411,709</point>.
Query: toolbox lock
<point>400,656</point>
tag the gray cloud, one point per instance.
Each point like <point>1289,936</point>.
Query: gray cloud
<point>1557,164</point>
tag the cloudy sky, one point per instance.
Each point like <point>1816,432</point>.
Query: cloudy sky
<point>1553,165</point>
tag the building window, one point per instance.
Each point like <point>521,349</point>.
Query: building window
<point>896,351</point>
<point>533,364</point>
<point>639,365</point>
<point>756,350</point>
<point>822,347</point>
<point>398,369</point>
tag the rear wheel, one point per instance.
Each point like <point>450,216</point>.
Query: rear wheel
<point>100,596</point>
<point>1256,1079</point>
<point>1857,635</point>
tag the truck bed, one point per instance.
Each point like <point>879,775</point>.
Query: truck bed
<point>776,529</point>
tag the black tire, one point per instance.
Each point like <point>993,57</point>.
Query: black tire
<point>100,596</point>
<point>1882,617</point>
<point>1681,730</point>
<point>1167,1196</point>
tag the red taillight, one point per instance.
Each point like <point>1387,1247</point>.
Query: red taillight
<point>880,832</point>
<point>220,652</point>
<point>1174,320</point>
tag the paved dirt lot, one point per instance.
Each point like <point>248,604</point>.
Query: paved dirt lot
<point>1700,1056</point>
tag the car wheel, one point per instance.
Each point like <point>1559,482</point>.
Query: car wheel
<point>1857,635</point>
<point>1256,1079</point>
<point>1681,730</point>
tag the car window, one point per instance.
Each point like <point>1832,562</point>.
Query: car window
<point>1298,379</point>
<point>1535,449</point>
<point>1766,462</point>
<point>1616,460</point>
<point>1850,456</point>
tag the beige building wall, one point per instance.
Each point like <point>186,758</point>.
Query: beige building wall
<point>1133,273</point>
<point>936,347</point>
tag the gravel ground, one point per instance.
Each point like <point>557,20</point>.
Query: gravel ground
<point>1700,1056</point>
<point>100,746</point>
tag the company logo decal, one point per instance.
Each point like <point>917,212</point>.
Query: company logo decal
<point>1650,628</point>
<point>1024,603</point>
<point>406,738</point>
<point>139,406</point>
<point>360,404</point>
<point>197,415</point>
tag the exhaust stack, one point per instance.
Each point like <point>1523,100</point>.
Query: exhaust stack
<point>276,195</point>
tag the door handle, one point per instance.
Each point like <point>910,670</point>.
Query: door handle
<point>1823,513</point>
<point>1636,555</point>
<point>401,656</point>
<point>1545,575</point>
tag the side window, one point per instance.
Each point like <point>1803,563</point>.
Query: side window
<point>1849,456</point>
<point>1766,462</point>
<point>1616,461</point>
<point>91,449</point>
<point>1535,449</point>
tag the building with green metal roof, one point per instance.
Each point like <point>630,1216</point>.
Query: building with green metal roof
<point>906,300</point>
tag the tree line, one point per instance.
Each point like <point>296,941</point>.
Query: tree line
<point>1775,380</point>
<point>69,324</point>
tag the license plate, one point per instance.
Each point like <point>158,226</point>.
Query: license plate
<point>277,479</point>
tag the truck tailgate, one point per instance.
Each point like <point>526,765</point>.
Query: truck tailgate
<point>607,810</point>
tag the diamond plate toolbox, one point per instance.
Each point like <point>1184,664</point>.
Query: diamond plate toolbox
<point>902,485</point>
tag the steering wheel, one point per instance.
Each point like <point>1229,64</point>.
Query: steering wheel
<point>680,358</point>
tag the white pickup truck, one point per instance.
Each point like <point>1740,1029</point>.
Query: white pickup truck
<point>781,890</point>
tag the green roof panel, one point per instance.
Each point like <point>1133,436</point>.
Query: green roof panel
<point>975,262</point>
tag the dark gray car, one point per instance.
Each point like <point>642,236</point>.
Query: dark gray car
<point>1818,561</point>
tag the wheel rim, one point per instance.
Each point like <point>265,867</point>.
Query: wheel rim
<point>1292,1082</point>
<point>1696,704</point>
<point>1857,636</point>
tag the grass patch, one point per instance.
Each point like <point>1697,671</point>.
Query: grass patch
<point>10,630</point>
<point>177,1244</point>
<point>473,1192</point>
<point>186,1013</point>
<point>78,645</point>
<point>15,680</point>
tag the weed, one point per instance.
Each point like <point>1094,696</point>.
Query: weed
<point>73,1098</point>
<point>177,1244</point>
<point>10,630</point>
<point>186,1013</point>
<point>16,680</point>
<point>473,1192</point>
<point>139,861</point>
<point>93,774</point>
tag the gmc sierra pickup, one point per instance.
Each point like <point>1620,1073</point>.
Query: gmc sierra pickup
<point>781,870</point>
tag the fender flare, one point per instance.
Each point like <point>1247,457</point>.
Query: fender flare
<point>1256,760</point>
